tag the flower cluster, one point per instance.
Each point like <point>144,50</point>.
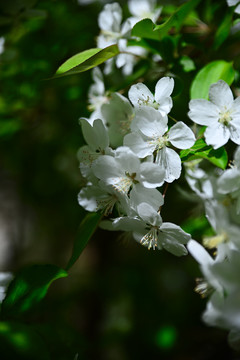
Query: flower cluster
<point>220,195</point>
<point>127,176</point>
<point>132,154</point>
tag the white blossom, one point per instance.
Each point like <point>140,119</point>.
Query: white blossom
<point>125,169</point>
<point>151,136</point>
<point>221,115</point>
<point>140,95</point>
<point>143,9</point>
<point>96,95</point>
<point>149,230</point>
<point>118,114</point>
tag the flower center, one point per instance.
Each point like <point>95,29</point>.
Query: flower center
<point>225,116</point>
<point>212,241</point>
<point>159,142</point>
<point>125,182</point>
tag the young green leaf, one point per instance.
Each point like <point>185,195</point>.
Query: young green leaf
<point>209,74</point>
<point>86,60</point>
<point>148,30</point>
<point>29,287</point>
<point>86,230</point>
<point>200,150</point>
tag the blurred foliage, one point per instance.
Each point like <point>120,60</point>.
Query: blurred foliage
<point>119,301</point>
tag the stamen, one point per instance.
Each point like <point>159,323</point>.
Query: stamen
<point>225,116</point>
<point>212,241</point>
<point>124,184</point>
<point>203,288</point>
<point>150,239</point>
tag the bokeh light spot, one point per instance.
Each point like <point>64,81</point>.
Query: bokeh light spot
<point>166,337</point>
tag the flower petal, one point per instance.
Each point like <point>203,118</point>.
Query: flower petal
<point>151,175</point>
<point>164,88</point>
<point>203,112</point>
<point>140,194</point>
<point>234,128</point>
<point>138,145</point>
<point>150,122</point>
<point>149,214</point>
<point>220,94</point>
<point>217,135</point>
<point>169,160</point>
<point>96,135</point>
<point>181,136</point>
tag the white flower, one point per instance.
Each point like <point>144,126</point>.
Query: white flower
<point>97,140</point>
<point>118,114</point>
<point>229,181</point>
<point>151,136</point>
<point>149,230</point>
<point>124,170</point>
<point>101,197</point>
<point>221,115</point>
<point>96,95</point>
<point>143,9</point>
<point>129,56</point>
<point>233,3</point>
<point>140,95</point>
<point>109,21</point>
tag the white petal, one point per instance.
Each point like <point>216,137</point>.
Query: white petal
<point>140,194</point>
<point>229,181</point>
<point>234,128</point>
<point>172,238</point>
<point>203,112</point>
<point>220,94</point>
<point>232,2</point>
<point>217,135</point>
<point>149,214</point>
<point>181,136</point>
<point>110,17</point>
<point>150,122</point>
<point>139,95</point>
<point>235,109</point>
<point>169,160</point>
<point>151,175</point>
<point>128,224</point>
<point>164,88</point>
<point>127,160</point>
<point>199,253</point>
<point>138,145</point>
<point>107,169</point>
<point>165,105</point>
<point>87,198</point>
<point>96,135</point>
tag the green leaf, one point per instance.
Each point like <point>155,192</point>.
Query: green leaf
<point>147,29</point>
<point>29,287</point>
<point>224,29</point>
<point>86,60</point>
<point>200,150</point>
<point>21,342</point>
<point>209,74</point>
<point>86,230</point>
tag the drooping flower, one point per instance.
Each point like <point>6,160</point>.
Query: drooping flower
<point>151,136</point>
<point>221,115</point>
<point>149,230</point>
